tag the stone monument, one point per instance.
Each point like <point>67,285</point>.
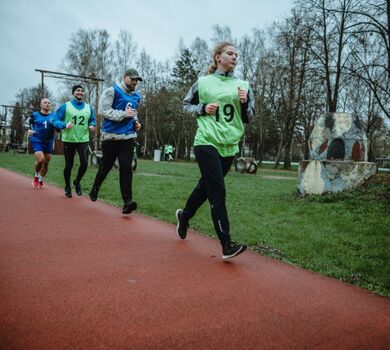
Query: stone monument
<point>338,159</point>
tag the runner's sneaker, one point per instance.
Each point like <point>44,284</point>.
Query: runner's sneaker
<point>68,192</point>
<point>40,184</point>
<point>35,182</point>
<point>182,225</point>
<point>231,249</point>
<point>93,195</point>
<point>128,207</point>
<point>77,187</point>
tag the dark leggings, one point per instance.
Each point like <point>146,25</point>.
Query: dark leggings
<point>70,149</point>
<point>124,151</point>
<point>211,186</point>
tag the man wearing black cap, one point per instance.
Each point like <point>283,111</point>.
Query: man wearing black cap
<point>75,118</point>
<point>118,106</point>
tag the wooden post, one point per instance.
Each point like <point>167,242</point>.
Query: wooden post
<point>146,127</point>
<point>42,85</point>
<point>5,126</point>
<point>97,131</point>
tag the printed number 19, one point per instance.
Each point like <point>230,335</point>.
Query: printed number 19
<point>228,111</point>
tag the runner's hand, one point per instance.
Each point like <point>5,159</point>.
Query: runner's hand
<point>92,128</point>
<point>243,95</point>
<point>137,125</point>
<point>130,112</point>
<point>69,125</point>
<point>30,132</point>
<point>211,108</point>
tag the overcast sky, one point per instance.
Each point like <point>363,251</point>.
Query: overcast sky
<point>36,34</point>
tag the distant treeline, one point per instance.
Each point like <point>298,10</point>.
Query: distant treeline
<point>327,56</point>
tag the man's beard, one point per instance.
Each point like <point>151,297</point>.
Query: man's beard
<point>130,87</point>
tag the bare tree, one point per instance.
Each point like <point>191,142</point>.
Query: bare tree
<point>221,34</point>
<point>125,53</point>
<point>201,54</point>
<point>28,98</point>
<point>371,50</point>
<point>292,40</point>
<point>17,130</point>
<point>89,54</point>
<point>166,106</point>
<point>154,77</point>
<point>328,21</point>
<point>253,67</point>
<point>312,106</point>
<point>31,97</point>
<point>360,99</point>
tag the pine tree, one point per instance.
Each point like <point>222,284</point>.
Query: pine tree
<point>184,72</point>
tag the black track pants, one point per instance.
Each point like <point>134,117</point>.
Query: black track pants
<point>211,186</point>
<point>124,151</point>
<point>70,149</point>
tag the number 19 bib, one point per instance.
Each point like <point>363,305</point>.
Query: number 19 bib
<point>224,129</point>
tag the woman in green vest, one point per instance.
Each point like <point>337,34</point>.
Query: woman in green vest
<point>221,104</point>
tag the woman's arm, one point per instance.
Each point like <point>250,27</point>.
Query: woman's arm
<point>248,108</point>
<point>191,103</point>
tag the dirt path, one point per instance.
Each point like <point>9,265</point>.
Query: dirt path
<point>79,275</point>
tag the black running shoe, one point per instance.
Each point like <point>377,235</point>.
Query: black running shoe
<point>182,225</point>
<point>77,188</point>
<point>231,249</point>
<point>68,191</point>
<point>93,195</point>
<point>128,207</point>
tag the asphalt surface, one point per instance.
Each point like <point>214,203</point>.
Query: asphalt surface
<point>80,275</point>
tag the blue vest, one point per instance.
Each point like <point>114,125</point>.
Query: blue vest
<point>43,128</point>
<point>120,102</point>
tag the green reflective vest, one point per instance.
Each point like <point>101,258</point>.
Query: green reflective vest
<point>80,120</point>
<point>224,129</point>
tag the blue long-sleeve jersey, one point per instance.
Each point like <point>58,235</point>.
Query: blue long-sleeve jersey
<point>58,121</point>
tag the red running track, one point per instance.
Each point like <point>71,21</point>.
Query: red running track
<point>80,275</point>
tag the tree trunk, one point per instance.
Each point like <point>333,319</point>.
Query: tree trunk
<point>279,154</point>
<point>287,154</point>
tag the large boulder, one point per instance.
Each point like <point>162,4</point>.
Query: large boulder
<point>338,147</point>
<point>322,176</point>
<point>338,136</point>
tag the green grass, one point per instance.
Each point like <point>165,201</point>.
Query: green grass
<point>345,236</point>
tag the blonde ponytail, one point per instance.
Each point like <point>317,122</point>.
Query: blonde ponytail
<point>212,68</point>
